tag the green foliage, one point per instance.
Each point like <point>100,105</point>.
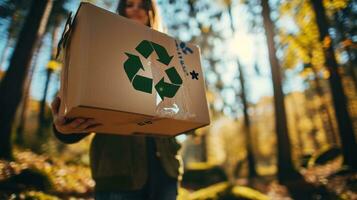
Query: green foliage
<point>301,45</point>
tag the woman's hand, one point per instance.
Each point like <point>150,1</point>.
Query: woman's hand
<point>77,125</point>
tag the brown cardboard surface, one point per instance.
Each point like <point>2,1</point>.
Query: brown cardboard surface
<point>132,124</point>
<point>94,83</point>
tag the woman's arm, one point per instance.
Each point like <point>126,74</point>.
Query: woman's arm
<point>69,138</point>
<point>70,131</point>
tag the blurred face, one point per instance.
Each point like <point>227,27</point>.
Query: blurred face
<point>137,11</point>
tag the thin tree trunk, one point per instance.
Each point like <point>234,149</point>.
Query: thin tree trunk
<point>311,113</point>
<point>297,123</point>
<point>345,127</point>
<point>42,121</point>
<point>247,130</point>
<point>19,139</point>
<point>330,131</point>
<point>42,118</point>
<point>328,125</point>
<point>249,148</point>
<point>286,170</point>
<point>351,60</point>
<point>11,87</point>
<point>204,148</point>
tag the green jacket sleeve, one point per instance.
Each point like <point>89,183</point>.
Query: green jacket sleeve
<point>69,138</point>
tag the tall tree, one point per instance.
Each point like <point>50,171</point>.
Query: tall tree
<point>57,16</point>
<point>248,133</point>
<point>345,127</point>
<point>344,22</point>
<point>308,48</point>
<point>247,129</point>
<point>286,170</point>
<point>23,107</point>
<point>11,87</point>
<point>305,48</point>
<point>297,121</point>
<point>343,37</point>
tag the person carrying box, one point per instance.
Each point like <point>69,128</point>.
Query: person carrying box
<point>127,167</point>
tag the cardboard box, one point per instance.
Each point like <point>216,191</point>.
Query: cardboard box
<point>130,78</point>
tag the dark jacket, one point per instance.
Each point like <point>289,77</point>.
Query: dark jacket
<point>120,162</point>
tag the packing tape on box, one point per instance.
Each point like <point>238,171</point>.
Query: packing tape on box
<point>176,107</point>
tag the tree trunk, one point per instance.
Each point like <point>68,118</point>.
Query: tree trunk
<point>11,87</point>
<point>19,139</point>
<point>351,59</point>
<point>42,121</point>
<point>311,112</point>
<point>297,121</point>
<point>345,127</point>
<point>247,130</point>
<point>286,170</point>
<point>248,139</point>
<point>330,131</point>
<point>41,117</point>
<point>204,148</point>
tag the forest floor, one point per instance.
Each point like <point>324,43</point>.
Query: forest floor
<point>33,176</point>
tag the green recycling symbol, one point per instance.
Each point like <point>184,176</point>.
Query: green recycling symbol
<point>133,65</point>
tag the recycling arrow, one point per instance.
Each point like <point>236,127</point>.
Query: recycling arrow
<point>166,89</point>
<point>145,48</point>
<point>164,57</point>
<point>133,65</point>
<point>174,76</point>
<point>169,90</point>
<point>143,84</point>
